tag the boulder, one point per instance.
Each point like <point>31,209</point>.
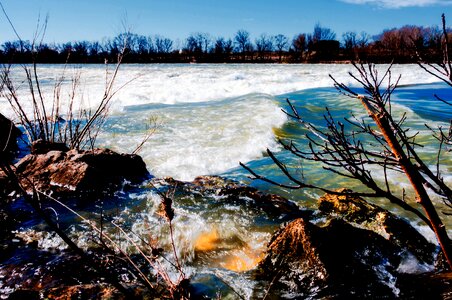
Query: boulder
<point>356,250</point>
<point>337,259</point>
<point>8,137</point>
<point>76,171</point>
<point>366,215</point>
<point>234,192</point>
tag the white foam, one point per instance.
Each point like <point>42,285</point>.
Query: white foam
<point>215,115</point>
<point>203,139</point>
<point>179,83</point>
<point>410,265</point>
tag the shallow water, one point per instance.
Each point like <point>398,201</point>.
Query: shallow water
<point>209,118</point>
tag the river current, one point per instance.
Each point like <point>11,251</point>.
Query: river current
<point>207,118</point>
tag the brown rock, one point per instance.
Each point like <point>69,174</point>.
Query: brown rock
<point>366,215</point>
<point>93,171</point>
<point>335,259</point>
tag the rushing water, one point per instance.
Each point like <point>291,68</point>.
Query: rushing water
<point>211,117</point>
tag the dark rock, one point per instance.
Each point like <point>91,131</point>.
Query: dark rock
<point>5,185</point>
<point>8,137</point>
<point>270,203</point>
<point>329,261</point>
<point>426,286</point>
<point>83,291</point>
<point>235,192</point>
<point>64,173</point>
<point>42,147</point>
<point>356,210</point>
<point>24,294</point>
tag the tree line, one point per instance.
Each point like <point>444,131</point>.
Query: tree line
<point>401,45</point>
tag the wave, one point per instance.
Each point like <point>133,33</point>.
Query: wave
<point>180,83</point>
<point>198,138</point>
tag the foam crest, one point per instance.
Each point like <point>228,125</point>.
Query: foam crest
<point>199,139</point>
<point>180,83</point>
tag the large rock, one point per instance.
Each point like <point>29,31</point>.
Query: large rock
<point>356,250</point>
<point>73,172</point>
<point>369,216</point>
<point>234,192</point>
<point>8,137</point>
<point>337,259</point>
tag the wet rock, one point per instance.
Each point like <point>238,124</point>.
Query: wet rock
<point>235,192</point>
<point>336,259</point>
<point>83,291</point>
<point>60,275</point>
<point>270,203</point>
<point>42,147</point>
<point>73,172</point>
<point>366,215</point>
<point>24,294</point>
<point>5,185</point>
<point>8,137</point>
<point>426,286</point>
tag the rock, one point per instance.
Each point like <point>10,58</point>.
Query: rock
<point>366,215</point>
<point>336,259</point>
<point>66,173</point>
<point>83,291</point>
<point>426,286</point>
<point>270,203</point>
<point>24,294</point>
<point>235,192</point>
<point>42,147</point>
<point>5,185</point>
<point>8,137</point>
<point>63,275</point>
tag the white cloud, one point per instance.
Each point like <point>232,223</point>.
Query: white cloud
<point>400,3</point>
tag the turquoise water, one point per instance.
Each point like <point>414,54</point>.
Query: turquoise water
<point>417,101</point>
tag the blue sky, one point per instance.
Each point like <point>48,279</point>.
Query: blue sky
<point>94,19</point>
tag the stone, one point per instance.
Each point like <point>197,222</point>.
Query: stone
<point>66,173</point>
<point>232,191</point>
<point>366,215</point>
<point>8,137</point>
<point>42,147</point>
<point>310,261</point>
<point>272,204</point>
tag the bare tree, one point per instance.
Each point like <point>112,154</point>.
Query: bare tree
<point>281,44</point>
<point>322,33</point>
<point>223,46</point>
<point>264,45</point>
<point>163,45</point>
<point>198,42</point>
<point>350,40</point>
<point>299,45</point>
<point>242,41</point>
<point>363,39</point>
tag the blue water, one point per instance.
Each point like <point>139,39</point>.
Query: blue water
<point>418,101</point>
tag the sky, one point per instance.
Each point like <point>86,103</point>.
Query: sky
<point>93,20</point>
